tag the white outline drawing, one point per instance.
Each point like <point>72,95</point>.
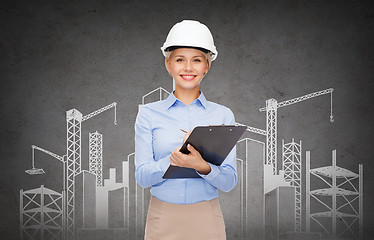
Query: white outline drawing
<point>73,162</point>
<point>249,187</point>
<point>162,95</point>
<point>34,171</point>
<point>96,215</point>
<point>41,214</point>
<point>96,156</point>
<point>271,109</point>
<point>73,130</point>
<point>341,185</point>
<point>291,165</point>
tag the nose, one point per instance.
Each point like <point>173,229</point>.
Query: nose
<point>188,66</point>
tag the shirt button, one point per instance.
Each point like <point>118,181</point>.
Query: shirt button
<point>182,194</point>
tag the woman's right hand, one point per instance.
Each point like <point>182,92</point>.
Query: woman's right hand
<point>191,160</point>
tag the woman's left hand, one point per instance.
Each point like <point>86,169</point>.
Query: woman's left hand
<point>191,160</point>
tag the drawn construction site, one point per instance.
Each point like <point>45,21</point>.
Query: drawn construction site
<point>269,201</point>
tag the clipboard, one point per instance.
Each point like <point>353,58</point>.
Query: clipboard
<point>214,143</point>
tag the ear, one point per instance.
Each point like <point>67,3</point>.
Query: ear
<point>207,67</point>
<point>167,64</point>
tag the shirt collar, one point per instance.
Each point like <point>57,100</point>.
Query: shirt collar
<point>170,101</point>
<point>202,99</point>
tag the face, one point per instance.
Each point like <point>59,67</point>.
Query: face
<point>188,67</point>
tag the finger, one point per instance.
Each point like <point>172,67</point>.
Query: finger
<point>173,160</point>
<point>177,156</point>
<point>191,149</point>
<point>176,151</point>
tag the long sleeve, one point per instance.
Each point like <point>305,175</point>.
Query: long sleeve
<point>148,171</point>
<point>224,177</point>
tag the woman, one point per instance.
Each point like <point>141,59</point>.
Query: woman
<point>183,208</point>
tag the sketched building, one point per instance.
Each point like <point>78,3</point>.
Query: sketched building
<point>157,94</point>
<point>337,209</point>
<point>142,198</point>
<point>126,184</point>
<point>112,218</point>
<point>132,203</point>
<point>116,215</point>
<point>41,214</point>
<point>102,196</point>
<point>139,201</point>
<point>85,200</point>
<point>280,211</point>
<point>118,201</point>
<point>244,205</point>
<point>255,198</point>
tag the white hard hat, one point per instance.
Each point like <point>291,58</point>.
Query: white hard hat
<point>190,33</point>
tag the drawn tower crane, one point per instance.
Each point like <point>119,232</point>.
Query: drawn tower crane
<point>291,162</point>
<point>34,171</point>
<point>74,119</point>
<point>71,162</point>
<point>271,122</point>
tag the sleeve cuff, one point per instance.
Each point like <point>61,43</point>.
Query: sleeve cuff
<point>164,163</point>
<point>214,171</point>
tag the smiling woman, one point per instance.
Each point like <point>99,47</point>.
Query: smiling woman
<point>183,208</point>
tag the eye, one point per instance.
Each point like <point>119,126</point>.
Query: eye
<point>179,60</point>
<point>197,60</point>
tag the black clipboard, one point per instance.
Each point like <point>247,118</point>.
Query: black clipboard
<point>214,143</point>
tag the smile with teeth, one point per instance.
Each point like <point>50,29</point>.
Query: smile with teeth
<point>188,77</point>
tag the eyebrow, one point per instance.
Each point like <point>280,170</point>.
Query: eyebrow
<point>184,56</point>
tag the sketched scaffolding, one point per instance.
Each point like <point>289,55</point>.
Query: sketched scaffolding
<point>96,156</point>
<point>41,214</point>
<point>340,186</point>
<point>291,159</point>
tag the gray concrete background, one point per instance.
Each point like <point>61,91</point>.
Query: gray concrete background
<point>55,56</point>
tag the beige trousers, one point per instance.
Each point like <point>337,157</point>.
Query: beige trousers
<point>167,221</point>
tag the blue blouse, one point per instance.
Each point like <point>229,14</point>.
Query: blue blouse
<point>157,134</point>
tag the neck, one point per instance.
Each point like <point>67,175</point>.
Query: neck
<point>187,95</point>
